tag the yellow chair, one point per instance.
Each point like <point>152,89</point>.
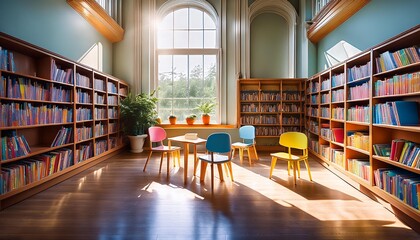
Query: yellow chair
<point>292,140</point>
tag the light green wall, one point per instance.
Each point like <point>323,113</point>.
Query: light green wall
<point>53,25</point>
<point>378,21</point>
<point>269,46</point>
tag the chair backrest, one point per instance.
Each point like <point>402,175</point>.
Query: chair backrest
<point>219,142</point>
<point>247,133</point>
<point>157,134</point>
<point>296,140</point>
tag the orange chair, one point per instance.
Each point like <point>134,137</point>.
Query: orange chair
<point>157,135</point>
<point>292,140</point>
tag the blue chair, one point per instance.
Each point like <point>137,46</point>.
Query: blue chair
<point>247,133</point>
<point>219,150</point>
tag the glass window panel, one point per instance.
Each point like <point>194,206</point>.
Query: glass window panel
<point>181,39</point>
<point>209,38</point>
<point>196,39</point>
<point>165,39</point>
<point>196,75</point>
<point>181,18</point>
<point>196,19</point>
<point>167,22</point>
<point>208,22</point>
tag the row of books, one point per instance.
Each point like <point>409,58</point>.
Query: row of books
<point>400,113</point>
<point>99,98</point>
<point>359,167</point>
<point>100,113</point>
<point>325,112</point>
<point>325,84</point>
<point>113,112</point>
<point>61,75</point>
<point>99,84</point>
<point>64,136</point>
<point>7,60</point>
<point>291,108</point>
<point>337,80</point>
<point>112,87</point>
<point>82,81</point>
<point>325,150</point>
<point>83,152</point>
<point>83,96</point>
<point>25,88</point>
<point>113,127</point>
<point>25,114</point>
<point>13,146</point>
<point>312,111</point>
<point>398,84</point>
<point>112,100</point>
<point>291,96</point>
<point>313,87</point>
<point>100,129</point>
<point>325,98</point>
<point>337,113</point>
<point>403,57</point>
<point>337,157</point>
<point>19,174</point>
<point>337,95</point>
<point>358,114</point>
<point>101,146</point>
<point>358,72</point>
<point>313,144</point>
<point>405,152</point>
<point>267,131</point>
<point>358,139</point>
<point>270,96</point>
<point>359,92</point>
<point>83,133</point>
<point>290,120</point>
<point>313,126</point>
<point>314,99</point>
<point>83,114</point>
<point>249,96</point>
<point>400,183</point>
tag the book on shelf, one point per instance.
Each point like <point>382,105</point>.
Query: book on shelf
<point>382,149</point>
<point>399,113</point>
<point>338,135</point>
<point>397,146</point>
<point>63,137</point>
<point>14,146</point>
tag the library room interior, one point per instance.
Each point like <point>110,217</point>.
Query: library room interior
<point>210,119</point>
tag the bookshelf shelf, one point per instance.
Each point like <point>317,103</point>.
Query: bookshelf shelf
<point>45,99</point>
<point>389,89</point>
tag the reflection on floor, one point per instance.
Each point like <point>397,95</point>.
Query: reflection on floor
<point>117,200</point>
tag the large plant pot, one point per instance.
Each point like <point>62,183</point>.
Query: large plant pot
<point>137,142</point>
<point>206,119</point>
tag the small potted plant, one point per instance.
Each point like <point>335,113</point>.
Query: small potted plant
<point>137,114</point>
<point>191,119</point>
<point>172,119</point>
<point>206,109</point>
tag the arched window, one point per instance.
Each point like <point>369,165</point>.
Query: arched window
<point>187,59</point>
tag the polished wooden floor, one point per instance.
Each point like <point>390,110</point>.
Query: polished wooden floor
<point>117,200</point>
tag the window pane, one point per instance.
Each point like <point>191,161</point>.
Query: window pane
<point>180,76</point>
<point>209,38</point>
<point>208,22</point>
<point>165,39</point>
<point>167,22</point>
<point>196,76</point>
<point>181,19</point>
<point>196,19</point>
<point>196,39</point>
<point>180,39</point>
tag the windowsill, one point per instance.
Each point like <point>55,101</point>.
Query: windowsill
<point>331,16</point>
<point>196,126</point>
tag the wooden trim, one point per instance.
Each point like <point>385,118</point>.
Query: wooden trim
<point>98,18</point>
<point>333,15</point>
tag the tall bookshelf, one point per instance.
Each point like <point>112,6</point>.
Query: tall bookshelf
<point>358,89</point>
<point>55,121</point>
<point>273,106</point>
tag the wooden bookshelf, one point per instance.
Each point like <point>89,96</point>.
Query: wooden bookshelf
<point>352,107</point>
<point>43,94</point>
<point>273,106</point>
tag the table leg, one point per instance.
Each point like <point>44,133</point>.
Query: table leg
<point>186,152</point>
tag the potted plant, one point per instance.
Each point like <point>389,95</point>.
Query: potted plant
<point>191,119</point>
<point>172,119</point>
<point>137,114</point>
<point>206,109</point>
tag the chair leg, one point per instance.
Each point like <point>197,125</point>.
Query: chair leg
<point>233,152</point>
<point>148,158</point>
<point>241,154</point>
<point>167,165</point>
<point>288,167</point>
<point>203,170</point>
<point>298,168</point>
<point>255,152</point>
<point>220,169</point>
<point>212,178</point>
<point>307,167</point>
<point>294,171</point>
<point>229,165</point>
<point>273,164</point>
<point>179,157</point>
<point>249,157</point>
<point>161,159</point>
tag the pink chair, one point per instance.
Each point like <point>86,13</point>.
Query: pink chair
<point>157,135</point>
